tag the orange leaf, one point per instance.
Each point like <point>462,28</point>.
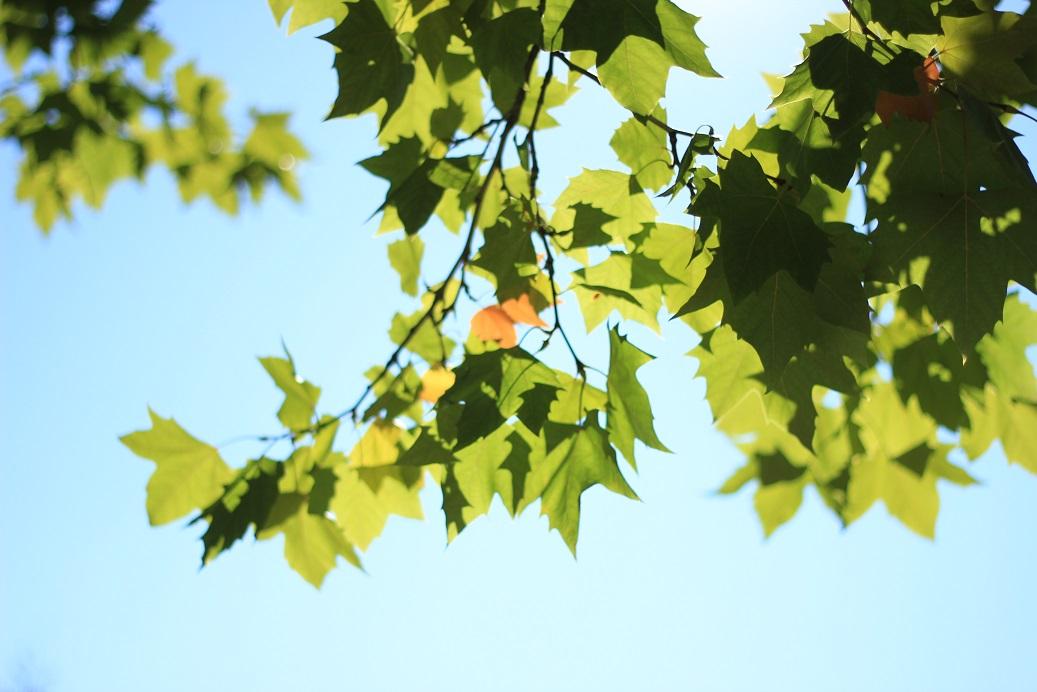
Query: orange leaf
<point>927,76</point>
<point>435,382</point>
<point>521,311</point>
<point>493,324</point>
<point>921,107</point>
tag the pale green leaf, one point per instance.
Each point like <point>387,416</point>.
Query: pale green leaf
<point>189,474</point>
<point>405,257</point>
<point>576,458</point>
<point>301,397</point>
<point>629,411</point>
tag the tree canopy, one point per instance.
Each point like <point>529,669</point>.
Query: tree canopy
<point>854,262</point>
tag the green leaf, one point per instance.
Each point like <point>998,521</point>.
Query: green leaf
<point>506,254</point>
<point>554,15</point>
<point>575,400</point>
<point>943,468</point>
<point>413,193</point>
<point>1004,351</point>
<point>496,465</point>
<point>455,505</point>
<point>669,245</point>
<point>576,458</point>
<point>931,370</point>
<point>912,500</point>
<point>427,342</point>
<point>890,430</point>
<point>839,295</point>
<point>427,449</point>
<point>983,52</point>
<point>644,148</point>
<point>188,473</point>
<point>636,42</point>
<point>312,543</point>
<point>776,503</point>
<point>370,63</point>
<point>608,286</point>
<point>433,34</point>
<point>890,427</point>
<point>300,396</point>
<point>405,257</point>
<point>808,143</point>
<point>944,250</point>
<point>246,501</point>
<point>365,498</point>
<point>778,320</point>
<point>499,379</point>
<point>629,411</point>
<point>501,47</point>
<point>958,234</point>
<point>897,15</point>
<point>837,69</point>
<point>762,232</point>
<point>615,194</point>
<point>739,479</point>
<point>587,228</point>
<point>307,12</point>
<point>991,417</point>
<point>275,150</point>
<point>729,366</point>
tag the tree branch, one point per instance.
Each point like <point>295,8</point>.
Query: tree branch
<point>530,140</point>
<point>439,296</point>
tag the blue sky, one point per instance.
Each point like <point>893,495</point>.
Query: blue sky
<point>151,302</point>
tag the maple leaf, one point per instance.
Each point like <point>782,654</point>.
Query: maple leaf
<point>921,106</point>
<point>806,369</point>
<point>435,382</point>
<point>493,324</point>
<point>188,472</point>
<point>521,311</point>
<point>497,322</point>
<point>574,459</point>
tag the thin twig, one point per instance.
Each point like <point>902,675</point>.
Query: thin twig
<point>549,265</point>
<point>530,140</point>
<point>1005,107</point>
<point>439,297</point>
<point>863,24</point>
<point>1008,108</point>
<point>509,124</point>
<point>594,78</point>
<point>491,123</point>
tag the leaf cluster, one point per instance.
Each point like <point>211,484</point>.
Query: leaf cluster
<point>91,103</point>
<point>869,360</point>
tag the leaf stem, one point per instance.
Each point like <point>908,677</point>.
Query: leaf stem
<point>549,265</point>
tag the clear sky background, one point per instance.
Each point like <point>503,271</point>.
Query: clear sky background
<point>151,302</point>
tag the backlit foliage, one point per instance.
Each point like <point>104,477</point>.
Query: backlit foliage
<point>862,360</point>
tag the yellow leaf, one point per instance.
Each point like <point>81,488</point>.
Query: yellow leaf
<point>435,382</point>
